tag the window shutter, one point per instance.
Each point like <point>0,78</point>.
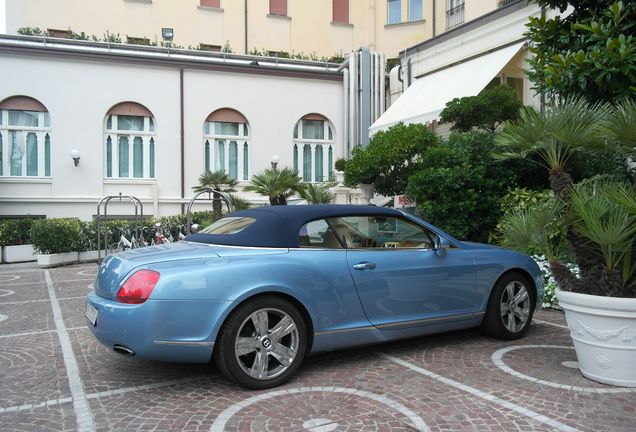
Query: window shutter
<point>211,3</point>
<point>341,11</point>
<point>278,7</point>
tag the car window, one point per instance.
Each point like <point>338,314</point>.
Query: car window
<point>381,232</point>
<point>229,225</point>
<point>318,234</point>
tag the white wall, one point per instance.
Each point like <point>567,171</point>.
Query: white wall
<point>78,94</point>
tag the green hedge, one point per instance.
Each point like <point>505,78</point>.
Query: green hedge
<point>56,235</point>
<point>15,232</point>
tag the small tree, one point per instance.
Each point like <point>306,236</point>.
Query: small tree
<point>317,193</point>
<point>219,181</point>
<point>459,186</point>
<point>390,158</point>
<point>277,184</point>
<point>485,111</point>
<point>590,53</point>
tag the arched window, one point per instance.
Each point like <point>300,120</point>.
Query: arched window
<point>313,148</point>
<point>25,138</point>
<point>129,139</point>
<point>226,143</point>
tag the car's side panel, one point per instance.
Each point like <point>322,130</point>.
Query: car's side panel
<point>318,279</point>
<point>492,263</point>
<point>403,288</point>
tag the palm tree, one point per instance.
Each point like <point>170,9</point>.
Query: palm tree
<point>237,202</point>
<point>316,193</point>
<point>569,127</point>
<point>277,184</point>
<point>216,181</point>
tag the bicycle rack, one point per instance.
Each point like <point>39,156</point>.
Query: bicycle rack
<point>102,231</point>
<point>223,198</point>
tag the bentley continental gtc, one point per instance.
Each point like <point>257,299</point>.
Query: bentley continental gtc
<point>260,289</point>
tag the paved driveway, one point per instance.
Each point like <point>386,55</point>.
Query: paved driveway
<point>55,376</point>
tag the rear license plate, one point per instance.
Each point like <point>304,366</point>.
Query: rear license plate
<point>91,313</point>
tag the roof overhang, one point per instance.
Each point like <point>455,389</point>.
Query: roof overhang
<point>425,99</point>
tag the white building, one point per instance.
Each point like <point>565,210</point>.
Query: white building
<point>147,122</point>
<point>463,61</point>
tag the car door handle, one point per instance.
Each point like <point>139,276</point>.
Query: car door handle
<point>364,266</point>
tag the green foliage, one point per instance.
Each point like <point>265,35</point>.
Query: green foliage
<point>238,203</point>
<point>458,185</point>
<point>32,31</point>
<point>15,232</point>
<point>277,184</point>
<point>591,53</point>
<point>391,157</point>
<point>317,193</point>
<point>217,180</point>
<point>340,164</point>
<point>485,111</point>
<point>56,235</point>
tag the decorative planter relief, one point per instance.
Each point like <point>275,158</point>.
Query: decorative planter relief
<point>603,330</point>
<point>19,253</point>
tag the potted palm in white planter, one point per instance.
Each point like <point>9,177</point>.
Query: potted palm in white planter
<point>599,221</point>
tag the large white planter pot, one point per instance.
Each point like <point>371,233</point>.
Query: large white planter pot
<point>367,190</point>
<point>52,260</point>
<point>604,333</point>
<point>20,253</point>
<point>339,175</point>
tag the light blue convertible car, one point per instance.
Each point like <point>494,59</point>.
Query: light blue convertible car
<point>260,289</point>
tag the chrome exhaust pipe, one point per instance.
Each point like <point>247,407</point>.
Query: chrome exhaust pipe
<point>125,351</point>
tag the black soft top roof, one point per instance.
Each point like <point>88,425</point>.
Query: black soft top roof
<point>279,226</point>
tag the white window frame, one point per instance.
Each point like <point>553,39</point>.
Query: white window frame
<point>326,143</point>
<point>40,131</point>
<point>146,135</point>
<point>241,139</point>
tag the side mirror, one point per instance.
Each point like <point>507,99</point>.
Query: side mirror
<point>441,246</point>
<point>195,228</point>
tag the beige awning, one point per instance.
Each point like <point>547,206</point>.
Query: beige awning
<point>423,101</point>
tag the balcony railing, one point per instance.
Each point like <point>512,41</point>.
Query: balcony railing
<point>455,16</point>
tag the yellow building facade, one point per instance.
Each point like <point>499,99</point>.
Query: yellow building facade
<point>315,28</point>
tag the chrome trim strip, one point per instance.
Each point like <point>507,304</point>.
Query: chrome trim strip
<point>327,332</point>
<point>182,343</point>
<point>431,320</point>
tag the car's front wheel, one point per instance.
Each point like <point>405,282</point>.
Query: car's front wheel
<point>262,343</point>
<point>510,307</point>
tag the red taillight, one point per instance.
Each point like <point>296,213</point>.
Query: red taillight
<point>138,287</point>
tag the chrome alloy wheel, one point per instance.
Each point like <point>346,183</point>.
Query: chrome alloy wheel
<point>266,344</point>
<point>515,306</point>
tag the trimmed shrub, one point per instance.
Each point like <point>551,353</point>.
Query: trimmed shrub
<point>56,235</point>
<point>14,232</point>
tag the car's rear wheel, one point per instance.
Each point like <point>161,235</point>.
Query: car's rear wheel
<point>510,307</point>
<point>262,343</point>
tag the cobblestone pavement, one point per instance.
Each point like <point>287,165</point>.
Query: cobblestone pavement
<point>55,376</point>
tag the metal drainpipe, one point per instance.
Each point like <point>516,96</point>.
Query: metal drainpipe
<point>182,139</point>
<point>353,94</point>
<point>345,145</point>
<point>434,12</point>
<point>245,5</point>
<point>382,83</point>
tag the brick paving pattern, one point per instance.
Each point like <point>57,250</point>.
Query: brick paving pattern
<point>451,382</point>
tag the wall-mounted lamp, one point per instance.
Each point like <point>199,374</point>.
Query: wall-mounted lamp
<point>167,34</point>
<point>75,155</point>
<point>275,160</point>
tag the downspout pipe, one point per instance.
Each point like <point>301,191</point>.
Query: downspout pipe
<point>346,144</point>
<point>245,7</point>
<point>181,118</point>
